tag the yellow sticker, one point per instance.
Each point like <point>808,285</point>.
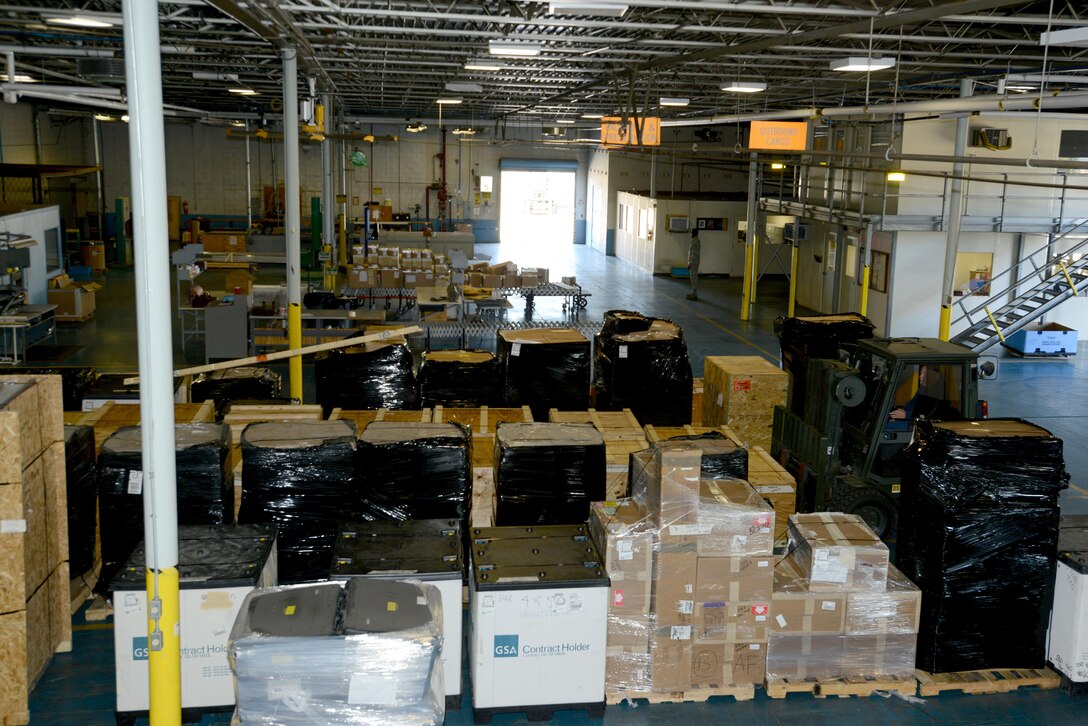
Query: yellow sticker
<point>391,606</point>
<point>896,488</point>
<point>289,610</point>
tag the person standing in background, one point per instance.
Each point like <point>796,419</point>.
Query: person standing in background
<point>694,250</point>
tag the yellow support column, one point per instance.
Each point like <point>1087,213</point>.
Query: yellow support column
<point>946,322</point>
<point>793,281</point>
<point>746,286</point>
<point>865,271</point>
<point>294,342</point>
<point>164,664</point>
<point>343,233</point>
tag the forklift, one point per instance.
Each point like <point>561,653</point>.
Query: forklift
<point>846,430</point>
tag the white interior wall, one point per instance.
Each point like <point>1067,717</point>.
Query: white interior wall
<point>34,223</point>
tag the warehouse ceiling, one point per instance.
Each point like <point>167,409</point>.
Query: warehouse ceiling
<point>397,59</point>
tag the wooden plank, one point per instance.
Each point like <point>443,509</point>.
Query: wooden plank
<point>744,692</point>
<point>986,681</point>
<point>363,418</point>
<point>664,433</point>
<point>697,401</point>
<point>602,420</point>
<point>844,687</point>
<point>81,587</point>
<point>240,416</point>
<point>14,696</point>
<point>482,513</point>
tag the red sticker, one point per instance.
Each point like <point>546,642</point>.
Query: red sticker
<point>617,598</point>
<point>759,609</point>
<point>763,521</point>
<point>742,385</point>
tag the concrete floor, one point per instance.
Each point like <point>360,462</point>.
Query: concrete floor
<point>78,687</point>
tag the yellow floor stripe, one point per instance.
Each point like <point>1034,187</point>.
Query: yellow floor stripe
<point>719,326</point>
<point>1082,491</point>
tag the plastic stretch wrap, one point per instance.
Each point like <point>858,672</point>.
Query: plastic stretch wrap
<point>205,485</point>
<point>623,322</point>
<point>547,473</point>
<point>837,551</point>
<point>367,653</point>
<point>459,379</point>
<point>647,371</point>
<point>732,520</point>
<point>82,497</point>
<point>978,533</point>
<point>75,381</point>
<point>300,476</point>
<point>368,376</point>
<point>840,656</point>
<point>545,369</point>
<point>816,336</point>
<point>234,384</point>
<point>722,457</point>
<point>414,471</point>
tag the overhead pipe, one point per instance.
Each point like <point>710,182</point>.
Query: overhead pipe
<point>76,90</point>
<point>292,217</point>
<point>983,160</point>
<point>54,51</point>
<point>147,162</point>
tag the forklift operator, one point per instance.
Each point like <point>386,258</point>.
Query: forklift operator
<point>918,394</point>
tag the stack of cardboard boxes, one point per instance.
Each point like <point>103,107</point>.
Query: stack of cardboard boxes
<point>839,608</point>
<point>393,267</point>
<point>505,274</point>
<point>692,570</point>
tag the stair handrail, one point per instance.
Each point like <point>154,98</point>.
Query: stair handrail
<point>1022,279</point>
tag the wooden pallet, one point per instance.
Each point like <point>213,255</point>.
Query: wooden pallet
<point>482,421</point>
<point>861,686</point>
<point>602,420</point>
<point>987,681</point>
<point>77,319</point>
<point>240,416</point>
<point>744,692</point>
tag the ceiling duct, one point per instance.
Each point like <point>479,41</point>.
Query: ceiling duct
<point>102,70</point>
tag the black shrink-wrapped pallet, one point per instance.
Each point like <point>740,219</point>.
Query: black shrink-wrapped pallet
<point>414,471</point>
<point>547,473</point>
<point>205,485</point>
<point>299,475</point>
<point>235,384</point>
<point>722,457</point>
<point>545,368</point>
<point>647,371</point>
<point>366,377</point>
<point>816,336</point>
<point>978,531</point>
<point>79,466</point>
<point>459,379</point>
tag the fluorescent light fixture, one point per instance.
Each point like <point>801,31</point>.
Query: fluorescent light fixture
<point>578,7</point>
<point>862,64</point>
<point>80,21</point>
<point>777,166</point>
<point>208,76</point>
<point>464,132</point>
<point>102,117</point>
<point>458,87</point>
<point>506,48</point>
<point>744,87</point>
<point>896,176</point>
<point>482,65</point>
<point>125,118</point>
<point>564,121</point>
<point>448,101</point>
<point>238,124</point>
<point>416,128</point>
<point>243,91</point>
<point>680,102</point>
<point>1070,36</point>
<point>592,115</point>
<point>19,78</point>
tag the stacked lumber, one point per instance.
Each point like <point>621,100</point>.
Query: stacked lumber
<point>623,435</point>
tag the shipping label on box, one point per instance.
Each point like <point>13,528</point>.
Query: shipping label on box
<point>837,551</point>
<point>732,579</point>
<point>728,622</point>
<point>728,664</point>
<point>674,587</point>
<point>360,276</point>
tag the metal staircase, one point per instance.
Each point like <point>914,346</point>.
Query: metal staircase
<point>1032,286</point>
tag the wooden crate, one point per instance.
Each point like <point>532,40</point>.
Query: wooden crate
<point>602,420</point>
<point>741,392</point>
<point>482,421</point>
<point>697,401</point>
<point>774,484</point>
<point>987,681</point>
<point>664,433</point>
<point>240,416</point>
<point>861,686</point>
<point>110,416</point>
<point>482,513</point>
<point>362,418</point>
<point>34,597</point>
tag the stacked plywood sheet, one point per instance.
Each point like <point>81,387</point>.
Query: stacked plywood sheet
<point>741,392</point>
<point>34,598</point>
<point>482,421</point>
<point>622,436</point>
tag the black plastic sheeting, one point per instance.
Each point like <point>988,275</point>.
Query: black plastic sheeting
<point>235,384</point>
<point>978,533</point>
<point>547,476</point>
<point>545,375</point>
<point>468,383</point>
<point>79,467</point>
<point>645,370</point>
<point>722,457</point>
<point>205,486</point>
<point>366,377</point>
<point>299,476</point>
<point>816,336</point>
<point>75,381</point>
<point>414,471</point>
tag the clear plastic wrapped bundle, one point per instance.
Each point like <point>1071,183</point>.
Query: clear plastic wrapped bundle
<point>205,486</point>
<point>82,497</point>
<point>367,376</point>
<point>816,336</point>
<point>647,371</point>
<point>804,656</point>
<point>837,551</point>
<point>459,379</point>
<point>545,368</point>
<point>722,458</point>
<point>547,473</point>
<point>414,471</point>
<point>978,533</point>
<point>300,476</point>
<point>734,520</point>
<point>895,611</point>
<point>235,384</point>
<point>367,653</point>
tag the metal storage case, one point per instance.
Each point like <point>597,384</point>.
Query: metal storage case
<point>218,565</point>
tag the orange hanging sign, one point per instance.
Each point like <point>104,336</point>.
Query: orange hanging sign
<point>779,135</point>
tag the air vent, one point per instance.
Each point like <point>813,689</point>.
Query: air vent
<point>992,139</point>
<point>102,70</point>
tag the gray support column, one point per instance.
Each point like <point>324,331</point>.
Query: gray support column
<point>292,216</point>
<point>328,192</point>
<point>955,215</point>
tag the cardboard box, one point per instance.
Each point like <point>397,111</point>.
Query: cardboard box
<point>359,276</point>
<point>416,279</point>
<point>627,669</point>
<point>737,520</point>
<point>879,655</point>
<point>741,392</point>
<point>772,482</point>
<point>624,534</point>
<point>731,622</point>
<point>896,610</point>
<point>74,302</point>
<point>529,280</point>
<point>509,280</point>
<point>670,486</point>
<point>389,278</point>
<point>503,268</point>
<point>837,551</point>
<point>804,656</point>
<point>670,659</point>
<point>1044,339</point>
<point>381,213</point>
<point>234,241</point>
<point>673,594</point>
<point>475,279</point>
<point>239,280</point>
<point>796,610</point>
<point>490,280</point>
<point>732,579</point>
<point>728,664</point>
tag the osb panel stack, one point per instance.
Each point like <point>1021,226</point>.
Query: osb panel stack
<point>622,435</point>
<point>34,618</point>
<point>774,484</point>
<point>697,401</point>
<point>482,421</point>
<point>111,416</point>
<point>741,392</point>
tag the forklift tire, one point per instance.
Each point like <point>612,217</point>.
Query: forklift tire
<point>871,504</point>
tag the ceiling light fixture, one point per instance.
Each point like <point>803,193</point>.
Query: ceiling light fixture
<point>505,48</point>
<point>238,124</point>
<point>458,87</point>
<point>464,132</point>
<point>243,91</point>
<point>19,78</point>
<point>678,102</point>
<point>862,64</point>
<point>896,176</point>
<point>744,87</point>
<point>448,101</point>
<point>125,118</point>
<point>102,117</point>
<point>593,115</point>
<point>416,128</point>
<point>480,65</point>
<point>81,21</point>
<point>777,166</point>
<point>579,7</point>
<point>209,76</point>
<point>567,121</point>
